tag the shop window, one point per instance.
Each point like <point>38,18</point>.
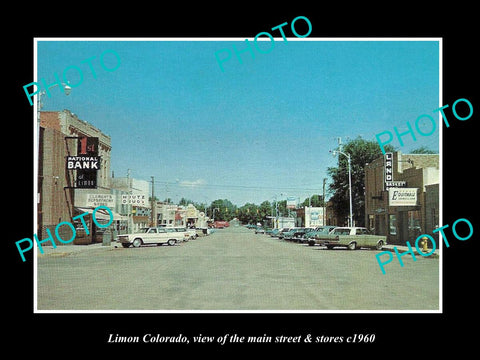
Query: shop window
<point>392,224</point>
<point>371,222</point>
<point>434,218</point>
<point>414,224</point>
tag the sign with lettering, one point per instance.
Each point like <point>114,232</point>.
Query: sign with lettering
<point>94,200</point>
<point>86,163</point>
<point>139,200</point>
<point>388,169</point>
<point>402,196</point>
<point>83,162</point>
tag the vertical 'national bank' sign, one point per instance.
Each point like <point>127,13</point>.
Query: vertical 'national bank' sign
<point>87,175</point>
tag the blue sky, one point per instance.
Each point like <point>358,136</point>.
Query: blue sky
<point>260,128</point>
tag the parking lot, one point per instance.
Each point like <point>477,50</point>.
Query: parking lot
<point>232,269</point>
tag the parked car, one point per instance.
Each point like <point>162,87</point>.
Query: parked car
<point>220,224</point>
<point>351,238</point>
<point>192,233</point>
<point>312,235</point>
<point>152,235</point>
<point>274,232</point>
<point>294,233</point>
<point>259,230</point>
<point>282,232</point>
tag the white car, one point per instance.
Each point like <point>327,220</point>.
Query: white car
<point>153,235</point>
<point>191,233</point>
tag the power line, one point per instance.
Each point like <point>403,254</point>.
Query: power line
<point>243,187</point>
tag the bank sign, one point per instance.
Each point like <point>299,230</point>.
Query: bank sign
<point>86,163</point>
<point>83,162</point>
<point>402,196</point>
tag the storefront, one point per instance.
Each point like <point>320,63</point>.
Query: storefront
<point>89,233</point>
<point>395,196</point>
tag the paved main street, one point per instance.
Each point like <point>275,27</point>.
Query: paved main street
<point>232,269</point>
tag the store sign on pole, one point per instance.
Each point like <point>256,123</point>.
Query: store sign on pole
<point>402,196</point>
<point>291,202</point>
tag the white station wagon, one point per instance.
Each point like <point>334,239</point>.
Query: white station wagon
<point>153,235</point>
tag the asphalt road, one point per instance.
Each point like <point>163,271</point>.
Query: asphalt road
<point>233,269</point>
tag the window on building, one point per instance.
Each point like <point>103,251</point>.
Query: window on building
<point>371,223</point>
<point>434,218</point>
<point>414,224</point>
<point>392,224</point>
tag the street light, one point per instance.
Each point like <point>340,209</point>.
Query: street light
<point>66,89</point>
<point>334,153</point>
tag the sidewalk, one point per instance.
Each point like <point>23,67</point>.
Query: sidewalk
<point>402,249</point>
<point>65,250</point>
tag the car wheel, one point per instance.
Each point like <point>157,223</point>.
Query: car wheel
<point>379,245</point>
<point>329,247</point>
<point>171,242</point>
<point>137,242</point>
<point>352,246</point>
<point>311,243</point>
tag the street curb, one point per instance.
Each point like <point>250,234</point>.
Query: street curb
<point>402,249</point>
<point>67,250</point>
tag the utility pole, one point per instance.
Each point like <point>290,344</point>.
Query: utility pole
<point>130,219</point>
<point>350,219</point>
<point>323,199</point>
<point>153,203</point>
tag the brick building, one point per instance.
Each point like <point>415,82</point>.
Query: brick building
<point>58,201</point>
<point>411,206</point>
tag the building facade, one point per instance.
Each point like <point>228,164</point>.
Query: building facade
<point>401,196</point>
<point>132,202</point>
<point>58,198</point>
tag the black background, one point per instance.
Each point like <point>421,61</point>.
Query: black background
<point>83,334</point>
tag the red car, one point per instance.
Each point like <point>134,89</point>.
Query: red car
<point>220,224</point>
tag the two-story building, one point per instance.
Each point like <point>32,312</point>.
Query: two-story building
<point>402,196</point>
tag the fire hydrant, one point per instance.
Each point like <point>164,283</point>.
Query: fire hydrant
<point>424,244</point>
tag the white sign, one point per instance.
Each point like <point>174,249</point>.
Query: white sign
<point>138,200</point>
<point>390,184</point>
<point>83,162</point>
<point>291,202</point>
<point>94,200</point>
<point>314,216</point>
<point>402,196</point>
<point>388,168</point>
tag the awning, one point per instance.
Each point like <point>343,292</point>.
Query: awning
<point>102,214</point>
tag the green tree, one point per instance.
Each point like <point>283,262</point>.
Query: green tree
<point>248,213</point>
<point>361,152</point>
<point>423,150</point>
<point>264,210</point>
<point>282,208</point>
<point>225,209</point>
<point>314,200</point>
